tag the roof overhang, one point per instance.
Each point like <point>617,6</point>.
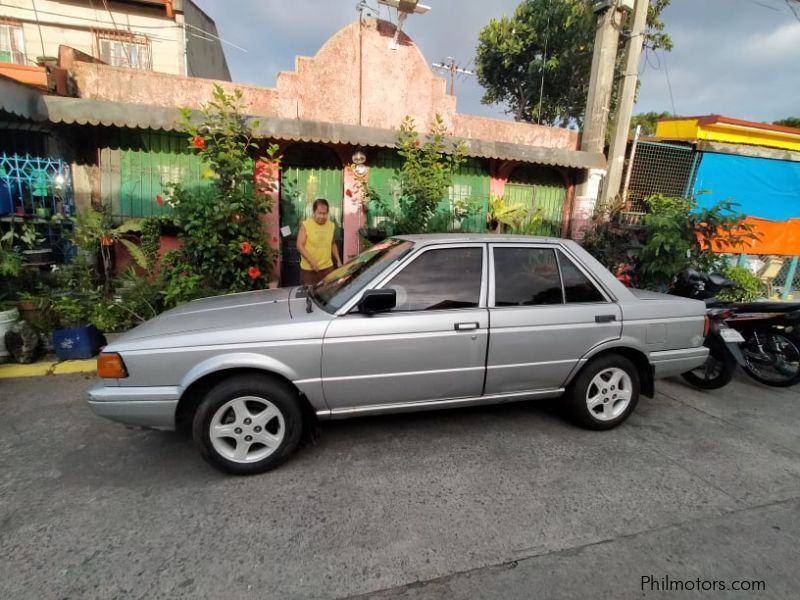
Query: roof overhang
<point>18,99</point>
<point>28,103</point>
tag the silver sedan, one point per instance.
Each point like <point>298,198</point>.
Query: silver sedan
<point>412,323</point>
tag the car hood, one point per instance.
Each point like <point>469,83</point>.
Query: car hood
<point>219,313</point>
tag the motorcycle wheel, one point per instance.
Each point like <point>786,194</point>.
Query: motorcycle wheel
<point>779,364</point>
<point>716,372</point>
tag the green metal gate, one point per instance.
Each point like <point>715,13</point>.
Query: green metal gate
<point>308,172</point>
<point>539,189</point>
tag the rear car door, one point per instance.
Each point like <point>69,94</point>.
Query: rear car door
<point>432,346</point>
<point>546,312</point>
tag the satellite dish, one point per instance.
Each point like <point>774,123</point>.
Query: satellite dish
<point>404,8</point>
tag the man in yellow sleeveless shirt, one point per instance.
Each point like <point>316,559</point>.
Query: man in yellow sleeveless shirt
<point>316,245</point>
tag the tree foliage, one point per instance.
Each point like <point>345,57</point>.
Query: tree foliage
<point>427,172</point>
<point>648,121</point>
<point>789,122</point>
<point>222,233</point>
<point>550,40</point>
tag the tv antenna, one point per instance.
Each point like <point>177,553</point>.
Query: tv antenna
<point>449,65</point>
<point>404,8</point>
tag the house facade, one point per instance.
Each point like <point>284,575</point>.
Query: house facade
<point>340,107</point>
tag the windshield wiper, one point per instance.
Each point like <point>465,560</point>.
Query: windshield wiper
<point>309,304</point>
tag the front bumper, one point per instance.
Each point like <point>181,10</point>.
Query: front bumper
<point>675,362</point>
<point>152,407</point>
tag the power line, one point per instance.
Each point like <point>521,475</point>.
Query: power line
<point>669,84</point>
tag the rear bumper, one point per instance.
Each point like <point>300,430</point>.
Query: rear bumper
<point>152,407</point>
<point>675,362</point>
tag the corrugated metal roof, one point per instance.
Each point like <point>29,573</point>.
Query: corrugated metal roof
<point>26,102</point>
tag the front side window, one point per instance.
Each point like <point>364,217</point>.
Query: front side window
<point>12,43</point>
<point>577,287</point>
<point>526,277</point>
<point>120,49</point>
<point>440,279</point>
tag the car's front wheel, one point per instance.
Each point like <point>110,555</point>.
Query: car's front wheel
<point>604,393</point>
<point>248,424</point>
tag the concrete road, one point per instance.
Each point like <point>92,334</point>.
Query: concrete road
<point>697,489</point>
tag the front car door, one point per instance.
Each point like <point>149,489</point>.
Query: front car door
<point>546,313</point>
<point>431,347</point>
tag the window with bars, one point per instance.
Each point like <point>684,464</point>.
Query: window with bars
<point>12,42</point>
<point>122,49</point>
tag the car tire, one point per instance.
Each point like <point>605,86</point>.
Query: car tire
<point>604,393</point>
<point>248,424</point>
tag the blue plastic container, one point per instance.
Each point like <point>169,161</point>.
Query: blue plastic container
<point>77,342</point>
<point>6,202</point>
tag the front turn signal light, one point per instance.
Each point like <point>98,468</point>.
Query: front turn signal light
<point>110,366</point>
<point>706,326</point>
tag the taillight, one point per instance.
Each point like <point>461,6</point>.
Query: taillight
<point>706,325</point>
<point>110,366</point>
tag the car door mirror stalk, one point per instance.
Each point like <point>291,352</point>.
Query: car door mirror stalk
<point>376,301</point>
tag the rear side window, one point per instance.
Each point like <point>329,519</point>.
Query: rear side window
<point>577,287</point>
<point>526,276</point>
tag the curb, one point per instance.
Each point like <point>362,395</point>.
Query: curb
<point>42,369</point>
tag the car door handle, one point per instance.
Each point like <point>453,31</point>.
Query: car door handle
<point>604,318</point>
<point>466,326</point>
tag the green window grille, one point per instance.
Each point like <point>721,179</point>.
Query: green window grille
<point>142,167</point>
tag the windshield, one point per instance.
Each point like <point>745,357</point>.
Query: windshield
<point>342,284</point>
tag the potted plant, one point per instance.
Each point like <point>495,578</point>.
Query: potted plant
<point>71,298</point>
<point>34,254</point>
<point>502,214</point>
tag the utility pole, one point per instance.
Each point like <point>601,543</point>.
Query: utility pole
<point>451,67</point>
<point>622,122</point>
<point>595,122</point>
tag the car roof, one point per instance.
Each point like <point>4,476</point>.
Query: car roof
<point>456,238</point>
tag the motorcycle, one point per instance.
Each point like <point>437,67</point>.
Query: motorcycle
<point>771,345</point>
<point>722,341</point>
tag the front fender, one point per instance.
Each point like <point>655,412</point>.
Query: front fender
<point>237,360</point>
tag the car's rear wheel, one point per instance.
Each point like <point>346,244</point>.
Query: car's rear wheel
<point>248,424</point>
<point>604,393</point>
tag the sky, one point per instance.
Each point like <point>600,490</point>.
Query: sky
<point>737,58</point>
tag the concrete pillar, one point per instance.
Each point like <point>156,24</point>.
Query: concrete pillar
<point>266,175</point>
<point>353,217</point>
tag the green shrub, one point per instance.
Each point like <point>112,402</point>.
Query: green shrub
<point>750,286</point>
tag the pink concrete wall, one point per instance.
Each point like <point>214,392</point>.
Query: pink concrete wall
<point>355,78</point>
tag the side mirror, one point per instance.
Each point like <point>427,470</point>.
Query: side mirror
<point>375,301</point>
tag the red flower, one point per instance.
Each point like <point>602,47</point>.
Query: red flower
<point>246,247</point>
<point>254,272</point>
<point>416,142</point>
<point>159,200</point>
<point>274,239</point>
<point>199,142</point>
<point>349,193</point>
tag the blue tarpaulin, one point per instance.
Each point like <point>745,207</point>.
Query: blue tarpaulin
<point>762,187</point>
